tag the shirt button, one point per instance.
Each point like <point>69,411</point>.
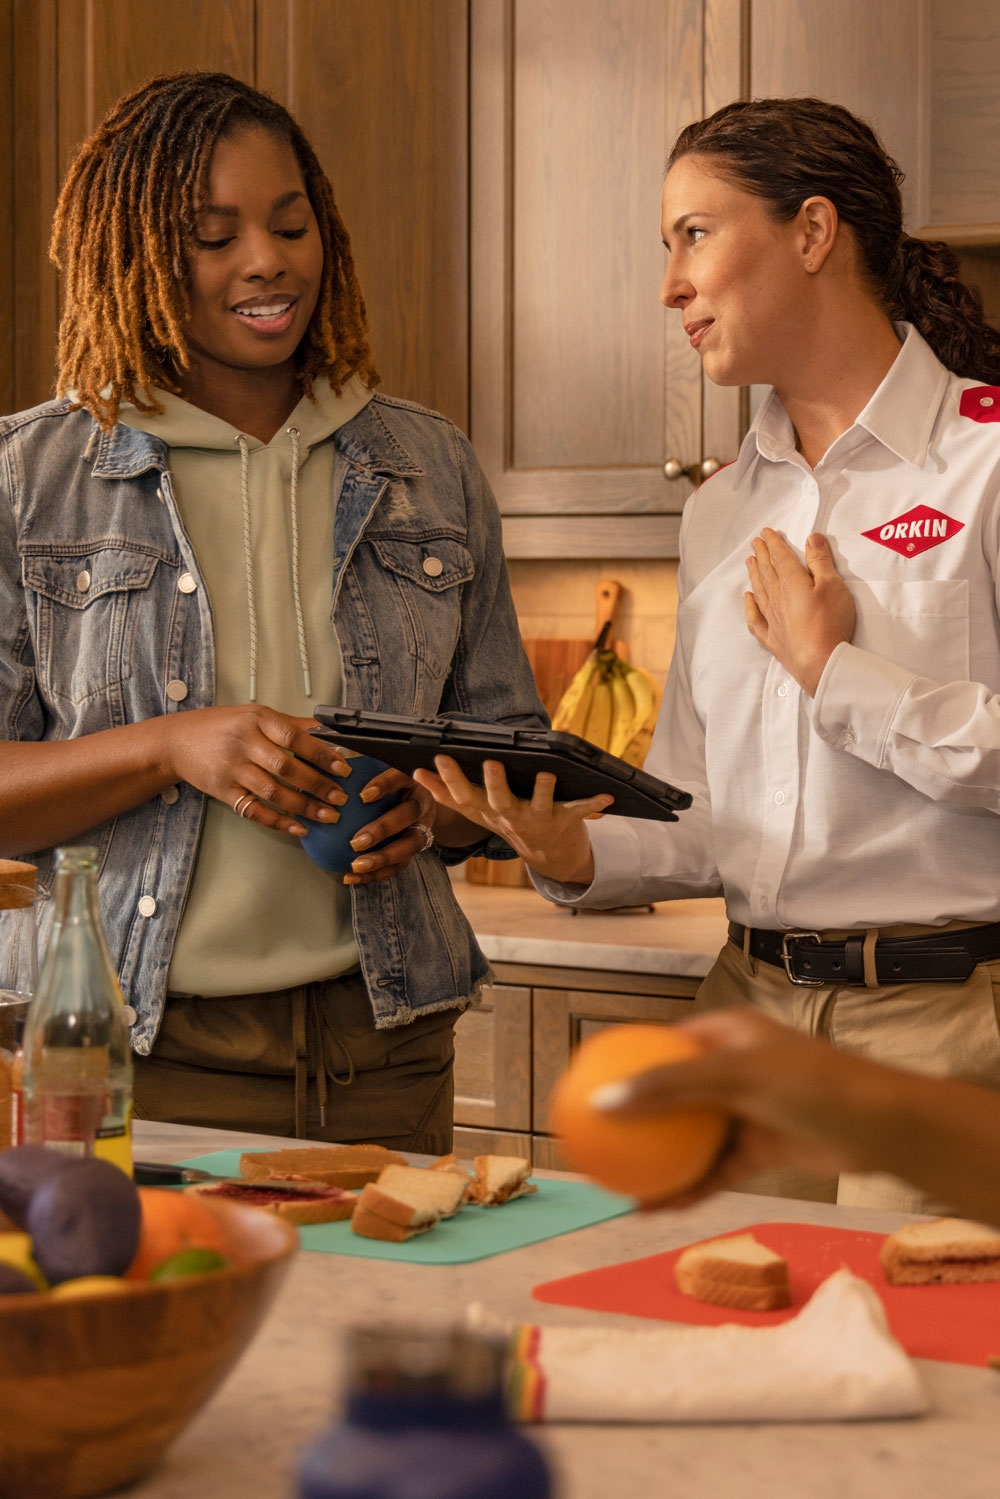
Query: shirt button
<point>171,795</point>
<point>779,797</point>
<point>159,495</point>
<point>147,906</point>
<point>177,691</point>
<point>847,738</point>
<point>186,583</point>
<point>986,400</point>
<point>783,690</point>
<point>433,567</point>
<point>82,581</point>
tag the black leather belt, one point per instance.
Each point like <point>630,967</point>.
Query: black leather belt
<point>949,957</point>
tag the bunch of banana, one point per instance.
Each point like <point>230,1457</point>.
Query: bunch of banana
<point>611,703</point>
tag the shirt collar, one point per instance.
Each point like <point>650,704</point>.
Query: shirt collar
<point>900,415</point>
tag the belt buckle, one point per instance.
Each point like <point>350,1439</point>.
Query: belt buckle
<point>787,957</point>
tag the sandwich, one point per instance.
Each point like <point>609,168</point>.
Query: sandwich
<point>442,1189</point>
<point>296,1198</point>
<point>737,1272</point>
<point>499,1178</point>
<point>945,1251</point>
<point>348,1166</point>
<point>411,1203</point>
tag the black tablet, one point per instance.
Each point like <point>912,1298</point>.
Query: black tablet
<point>580,768</point>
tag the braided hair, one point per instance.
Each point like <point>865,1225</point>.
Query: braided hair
<point>122,236</point>
<point>787,150</point>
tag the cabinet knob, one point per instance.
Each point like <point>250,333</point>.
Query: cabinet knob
<point>696,472</point>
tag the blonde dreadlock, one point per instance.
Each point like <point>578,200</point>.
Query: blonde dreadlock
<point>125,267</point>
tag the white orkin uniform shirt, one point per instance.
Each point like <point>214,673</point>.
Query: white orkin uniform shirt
<point>877,803</point>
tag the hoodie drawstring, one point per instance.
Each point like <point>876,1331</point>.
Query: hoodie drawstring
<point>244,446</point>
<point>300,625</point>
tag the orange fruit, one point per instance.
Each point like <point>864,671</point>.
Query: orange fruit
<point>171,1222</point>
<point>650,1157</point>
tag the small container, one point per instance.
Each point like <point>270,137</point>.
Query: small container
<point>425,1416</point>
<point>328,844</point>
<point>18,978</point>
<point>77,1070</point>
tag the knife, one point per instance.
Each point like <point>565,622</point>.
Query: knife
<point>165,1174</point>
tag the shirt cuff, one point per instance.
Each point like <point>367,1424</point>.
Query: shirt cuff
<point>856,701</point>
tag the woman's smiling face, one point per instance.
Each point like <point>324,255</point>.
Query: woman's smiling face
<point>735,274</point>
<point>256,264</point>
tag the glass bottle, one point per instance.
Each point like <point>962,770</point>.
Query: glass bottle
<point>18,980</point>
<point>427,1403</point>
<point>77,1068</point>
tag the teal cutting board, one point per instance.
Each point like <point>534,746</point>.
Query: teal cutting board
<point>558,1207</point>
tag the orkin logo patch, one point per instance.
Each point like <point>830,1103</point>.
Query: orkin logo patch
<point>917,531</point>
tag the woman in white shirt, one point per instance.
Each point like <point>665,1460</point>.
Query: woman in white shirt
<point>832,703</point>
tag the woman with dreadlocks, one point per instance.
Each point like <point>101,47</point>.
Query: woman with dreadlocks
<point>834,697</point>
<point>215,525</point>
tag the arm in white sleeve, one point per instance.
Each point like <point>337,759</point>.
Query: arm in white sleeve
<point>943,738</point>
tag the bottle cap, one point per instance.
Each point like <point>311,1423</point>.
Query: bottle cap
<point>400,1360</point>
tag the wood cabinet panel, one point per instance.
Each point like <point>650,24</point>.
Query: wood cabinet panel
<point>493,1061</point>
<point>864,56</point>
<point>381,89</point>
<point>964,114</point>
<point>564,1017</point>
<point>473,1142</point>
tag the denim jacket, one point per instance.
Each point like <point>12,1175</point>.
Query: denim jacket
<point>95,633</point>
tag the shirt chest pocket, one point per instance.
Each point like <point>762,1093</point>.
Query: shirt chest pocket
<point>425,584</point>
<point>922,624</point>
<point>84,613</point>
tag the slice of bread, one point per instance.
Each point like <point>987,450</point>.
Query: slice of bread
<point>499,1178</point>
<point>381,1216</point>
<point>299,1200</point>
<point>443,1190</point>
<point>347,1166</point>
<point>737,1271</point>
<point>943,1251</point>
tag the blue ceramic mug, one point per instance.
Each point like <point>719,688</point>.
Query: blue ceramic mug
<point>328,844</point>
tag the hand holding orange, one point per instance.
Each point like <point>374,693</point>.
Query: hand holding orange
<point>649,1157</point>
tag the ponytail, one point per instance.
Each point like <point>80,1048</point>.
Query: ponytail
<point>944,311</point>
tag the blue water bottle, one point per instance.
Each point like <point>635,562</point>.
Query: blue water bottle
<point>425,1419</point>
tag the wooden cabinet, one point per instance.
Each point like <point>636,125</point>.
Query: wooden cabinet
<point>510,1052</point>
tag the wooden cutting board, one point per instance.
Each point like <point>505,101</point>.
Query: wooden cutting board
<point>955,1324</point>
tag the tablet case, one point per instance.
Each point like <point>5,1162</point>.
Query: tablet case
<point>580,768</point>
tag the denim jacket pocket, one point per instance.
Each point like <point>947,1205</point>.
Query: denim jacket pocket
<point>427,574</point>
<point>83,618</point>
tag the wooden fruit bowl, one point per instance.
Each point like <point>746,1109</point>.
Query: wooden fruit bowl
<point>93,1390</point>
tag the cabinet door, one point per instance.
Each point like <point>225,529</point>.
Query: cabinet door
<point>381,89</point>
<point>581,388</point>
<point>565,1017</point>
<point>493,1061</point>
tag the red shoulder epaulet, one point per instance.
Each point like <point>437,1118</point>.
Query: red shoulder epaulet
<point>981,403</point>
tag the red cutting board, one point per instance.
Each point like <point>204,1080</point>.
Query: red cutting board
<point>957,1324</point>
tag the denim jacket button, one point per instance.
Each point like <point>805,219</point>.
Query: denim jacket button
<point>177,691</point>
<point>433,567</point>
<point>147,906</point>
<point>82,581</point>
<point>171,795</point>
<point>186,583</point>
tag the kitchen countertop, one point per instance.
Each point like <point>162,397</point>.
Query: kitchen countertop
<point>285,1389</point>
<point>517,925</point>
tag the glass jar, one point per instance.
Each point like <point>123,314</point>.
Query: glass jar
<point>425,1415</point>
<point>18,979</point>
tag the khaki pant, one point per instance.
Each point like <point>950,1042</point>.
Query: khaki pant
<point>945,1030</point>
<point>306,1062</point>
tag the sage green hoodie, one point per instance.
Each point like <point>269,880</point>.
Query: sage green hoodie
<point>260,915</point>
